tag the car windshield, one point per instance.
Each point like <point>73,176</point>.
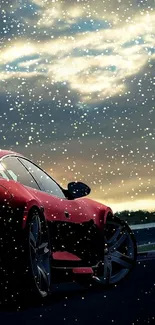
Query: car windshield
<point>3,172</point>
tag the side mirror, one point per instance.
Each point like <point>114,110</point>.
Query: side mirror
<point>78,189</point>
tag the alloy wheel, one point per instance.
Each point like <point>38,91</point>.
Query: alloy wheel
<point>119,253</point>
<point>39,255</point>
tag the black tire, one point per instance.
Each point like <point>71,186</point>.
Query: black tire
<point>121,249</point>
<point>37,274</point>
<point>18,279</point>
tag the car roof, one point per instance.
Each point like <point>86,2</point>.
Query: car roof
<point>4,153</point>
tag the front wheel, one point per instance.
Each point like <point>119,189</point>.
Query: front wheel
<point>37,257</point>
<point>120,253</point>
<point>25,260</point>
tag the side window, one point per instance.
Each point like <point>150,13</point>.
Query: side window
<point>46,182</point>
<point>18,172</point>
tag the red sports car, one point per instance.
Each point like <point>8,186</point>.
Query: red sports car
<point>48,233</point>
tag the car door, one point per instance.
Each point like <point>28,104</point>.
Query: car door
<point>56,206</point>
<point>66,217</point>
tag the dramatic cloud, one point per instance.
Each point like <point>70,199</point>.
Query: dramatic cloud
<point>95,63</point>
<point>77,81</point>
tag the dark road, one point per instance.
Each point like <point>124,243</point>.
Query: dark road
<point>132,302</point>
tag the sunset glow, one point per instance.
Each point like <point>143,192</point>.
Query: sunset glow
<point>77,94</point>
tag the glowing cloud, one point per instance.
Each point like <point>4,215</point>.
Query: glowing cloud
<point>97,63</point>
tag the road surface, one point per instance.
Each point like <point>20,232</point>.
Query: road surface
<point>132,302</point>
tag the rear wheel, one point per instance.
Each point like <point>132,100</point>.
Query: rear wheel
<point>120,253</point>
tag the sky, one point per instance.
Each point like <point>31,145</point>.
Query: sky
<point>77,93</point>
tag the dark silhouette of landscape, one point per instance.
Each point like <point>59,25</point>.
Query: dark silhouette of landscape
<point>136,217</point>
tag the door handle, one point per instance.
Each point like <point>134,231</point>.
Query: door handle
<point>67,214</point>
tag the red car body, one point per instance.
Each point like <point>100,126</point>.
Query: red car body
<point>48,233</point>
<point>70,213</point>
